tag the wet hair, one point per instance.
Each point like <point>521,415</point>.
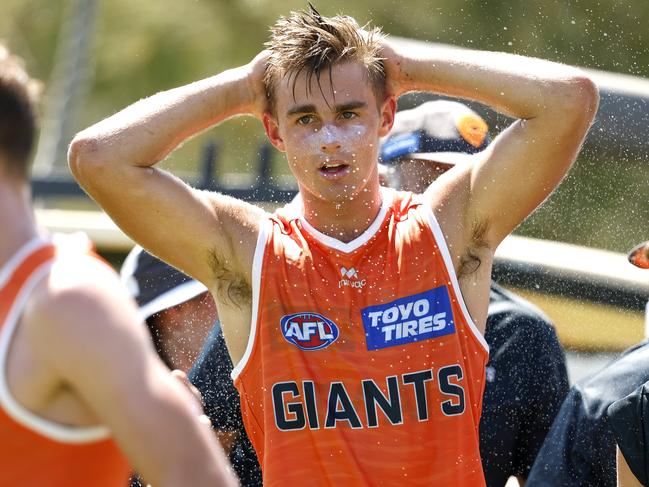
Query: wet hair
<point>18,97</point>
<point>305,41</point>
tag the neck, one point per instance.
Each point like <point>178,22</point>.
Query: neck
<point>346,219</point>
<point>16,218</point>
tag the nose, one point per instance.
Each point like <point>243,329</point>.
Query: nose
<point>330,139</point>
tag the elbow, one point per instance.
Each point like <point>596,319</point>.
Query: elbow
<point>84,157</point>
<point>581,97</point>
<point>587,94</point>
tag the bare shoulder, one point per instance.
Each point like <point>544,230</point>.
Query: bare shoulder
<point>241,222</point>
<point>243,219</point>
<point>79,302</point>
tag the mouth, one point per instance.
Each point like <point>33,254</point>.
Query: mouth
<point>334,169</point>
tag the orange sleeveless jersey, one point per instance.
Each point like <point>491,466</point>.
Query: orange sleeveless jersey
<point>35,452</point>
<point>363,365</point>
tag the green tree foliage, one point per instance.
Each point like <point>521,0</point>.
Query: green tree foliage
<point>144,46</point>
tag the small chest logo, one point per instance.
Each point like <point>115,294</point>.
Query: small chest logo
<point>350,273</point>
<point>350,278</point>
<point>309,331</point>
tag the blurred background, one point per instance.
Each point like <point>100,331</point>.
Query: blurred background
<point>127,50</point>
<point>95,57</point>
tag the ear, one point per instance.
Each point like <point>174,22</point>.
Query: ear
<point>388,109</point>
<point>271,126</point>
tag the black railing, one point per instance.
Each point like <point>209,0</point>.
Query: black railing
<point>263,185</point>
<point>570,285</point>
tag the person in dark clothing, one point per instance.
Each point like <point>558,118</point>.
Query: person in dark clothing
<point>629,416</point>
<point>211,376</point>
<point>629,419</point>
<point>178,310</point>
<point>526,384</point>
<point>580,447</point>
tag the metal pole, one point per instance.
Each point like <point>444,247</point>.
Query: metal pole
<point>67,87</point>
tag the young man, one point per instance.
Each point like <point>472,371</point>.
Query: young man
<point>354,323</point>
<point>82,393</point>
<point>526,374</point>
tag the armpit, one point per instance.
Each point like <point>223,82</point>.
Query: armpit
<point>230,286</point>
<point>471,260</point>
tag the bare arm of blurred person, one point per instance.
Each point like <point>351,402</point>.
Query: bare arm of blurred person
<point>94,364</point>
<point>479,204</point>
<point>625,477</point>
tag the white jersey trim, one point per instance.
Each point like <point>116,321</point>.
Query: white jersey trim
<point>12,264</point>
<point>257,265</point>
<point>20,414</point>
<point>446,255</point>
<point>349,247</point>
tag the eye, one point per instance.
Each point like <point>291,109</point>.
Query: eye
<point>348,115</point>
<point>305,119</point>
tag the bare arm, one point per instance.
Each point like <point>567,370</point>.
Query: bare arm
<point>113,161</point>
<point>625,477</point>
<point>554,104</point>
<point>82,325</point>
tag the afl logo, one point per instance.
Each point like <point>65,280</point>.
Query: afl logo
<point>309,331</point>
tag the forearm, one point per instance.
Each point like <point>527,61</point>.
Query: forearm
<point>185,452</point>
<point>625,477</point>
<point>518,86</point>
<point>145,132</point>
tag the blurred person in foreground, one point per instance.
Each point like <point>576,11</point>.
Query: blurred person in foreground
<point>82,393</point>
<point>354,318</point>
<point>526,374</point>
<point>629,416</point>
<point>180,314</point>
<point>580,448</point>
